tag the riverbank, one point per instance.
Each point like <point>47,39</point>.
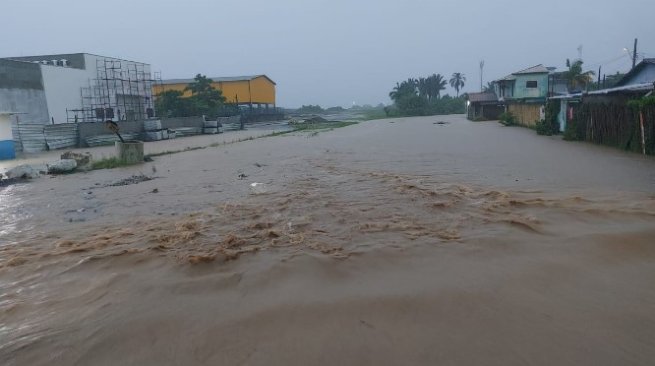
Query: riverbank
<point>428,240</point>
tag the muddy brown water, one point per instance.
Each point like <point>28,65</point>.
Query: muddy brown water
<point>390,242</point>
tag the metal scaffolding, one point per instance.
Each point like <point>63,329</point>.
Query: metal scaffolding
<point>121,91</point>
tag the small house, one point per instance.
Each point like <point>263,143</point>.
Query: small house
<point>483,106</point>
<point>524,93</point>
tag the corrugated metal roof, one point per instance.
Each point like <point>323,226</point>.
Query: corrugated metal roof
<point>482,97</point>
<point>538,69</point>
<point>567,96</point>
<point>636,87</point>
<point>217,79</point>
<point>508,78</point>
<point>635,70</point>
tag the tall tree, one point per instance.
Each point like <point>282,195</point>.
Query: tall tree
<point>457,81</point>
<point>404,89</point>
<point>205,98</point>
<point>171,104</point>
<point>437,83</point>
<point>489,88</point>
<point>576,78</point>
<point>423,86</point>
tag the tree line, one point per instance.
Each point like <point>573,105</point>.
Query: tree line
<point>422,96</point>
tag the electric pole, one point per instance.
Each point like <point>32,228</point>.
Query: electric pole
<point>481,71</point>
<point>634,54</point>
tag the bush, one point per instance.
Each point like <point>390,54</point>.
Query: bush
<point>507,119</point>
<point>412,105</point>
<point>570,131</point>
<point>543,128</point>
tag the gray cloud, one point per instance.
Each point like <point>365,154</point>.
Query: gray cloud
<point>334,52</point>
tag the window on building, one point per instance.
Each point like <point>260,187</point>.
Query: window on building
<point>530,84</point>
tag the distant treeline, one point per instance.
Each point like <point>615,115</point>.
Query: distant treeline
<point>422,96</point>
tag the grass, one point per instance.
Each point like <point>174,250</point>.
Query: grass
<point>374,114</point>
<point>109,163</point>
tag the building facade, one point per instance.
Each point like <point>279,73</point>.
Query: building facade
<point>524,93</point>
<point>255,90</point>
<point>76,87</point>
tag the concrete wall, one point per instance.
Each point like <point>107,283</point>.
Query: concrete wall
<point>89,129</point>
<point>521,91</point>
<point>75,60</point>
<point>63,90</point>
<point>21,90</point>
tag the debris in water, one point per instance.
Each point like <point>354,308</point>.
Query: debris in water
<point>258,188</point>
<point>135,179</point>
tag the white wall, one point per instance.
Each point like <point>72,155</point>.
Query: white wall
<point>5,127</point>
<point>646,75</point>
<point>63,90</point>
<point>63,85</point>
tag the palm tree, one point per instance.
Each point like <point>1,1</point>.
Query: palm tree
<point>394,94</point>
<point>436,83</point>
<point>424,88</point>
<point>457,81</point>
<point>408,87</point>
<point>576,77</point>
<point>489,88</point>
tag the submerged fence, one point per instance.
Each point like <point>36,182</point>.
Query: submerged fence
<point>35,137</point>
<point>614,124</point>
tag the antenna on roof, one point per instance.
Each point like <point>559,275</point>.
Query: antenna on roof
<point>481,72</point>
<point>580,52</point>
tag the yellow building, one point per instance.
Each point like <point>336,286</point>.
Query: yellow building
<point>256,90</point>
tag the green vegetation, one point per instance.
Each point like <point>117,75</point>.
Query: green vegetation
<point>204,100</point>
<point>489,88</point>
<point>335,110</point>
<point>507,119</point>
<point>422,97</point>
<point>310,109</point>
<point>609,81</point>
<point>457,81</point>
<point>549,126</point>
<point>570,131</point>
<point>378,113</point>
<point>576,78</point>
<point>109,163</point>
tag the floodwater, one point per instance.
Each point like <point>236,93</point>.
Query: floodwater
<point>405,241</point>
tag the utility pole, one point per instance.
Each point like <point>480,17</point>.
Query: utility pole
<point>598,85</point>
<point>634,54</point>
<point>481,72</point>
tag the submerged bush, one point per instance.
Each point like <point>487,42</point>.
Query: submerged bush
<point>507,119</point>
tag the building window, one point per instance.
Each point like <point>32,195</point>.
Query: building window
<point>531,84</point>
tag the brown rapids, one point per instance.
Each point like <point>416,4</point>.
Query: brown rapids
<point>391,242</point>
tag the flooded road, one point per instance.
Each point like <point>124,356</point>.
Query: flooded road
<point>428,240</point>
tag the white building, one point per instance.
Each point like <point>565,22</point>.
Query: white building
<point>78,87</point>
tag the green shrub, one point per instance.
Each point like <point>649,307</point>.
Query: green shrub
<point>571,131</point>
<point>543,128</point>
<point>507,119</point>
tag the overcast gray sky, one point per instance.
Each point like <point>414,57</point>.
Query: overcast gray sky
<point>334,52</point>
